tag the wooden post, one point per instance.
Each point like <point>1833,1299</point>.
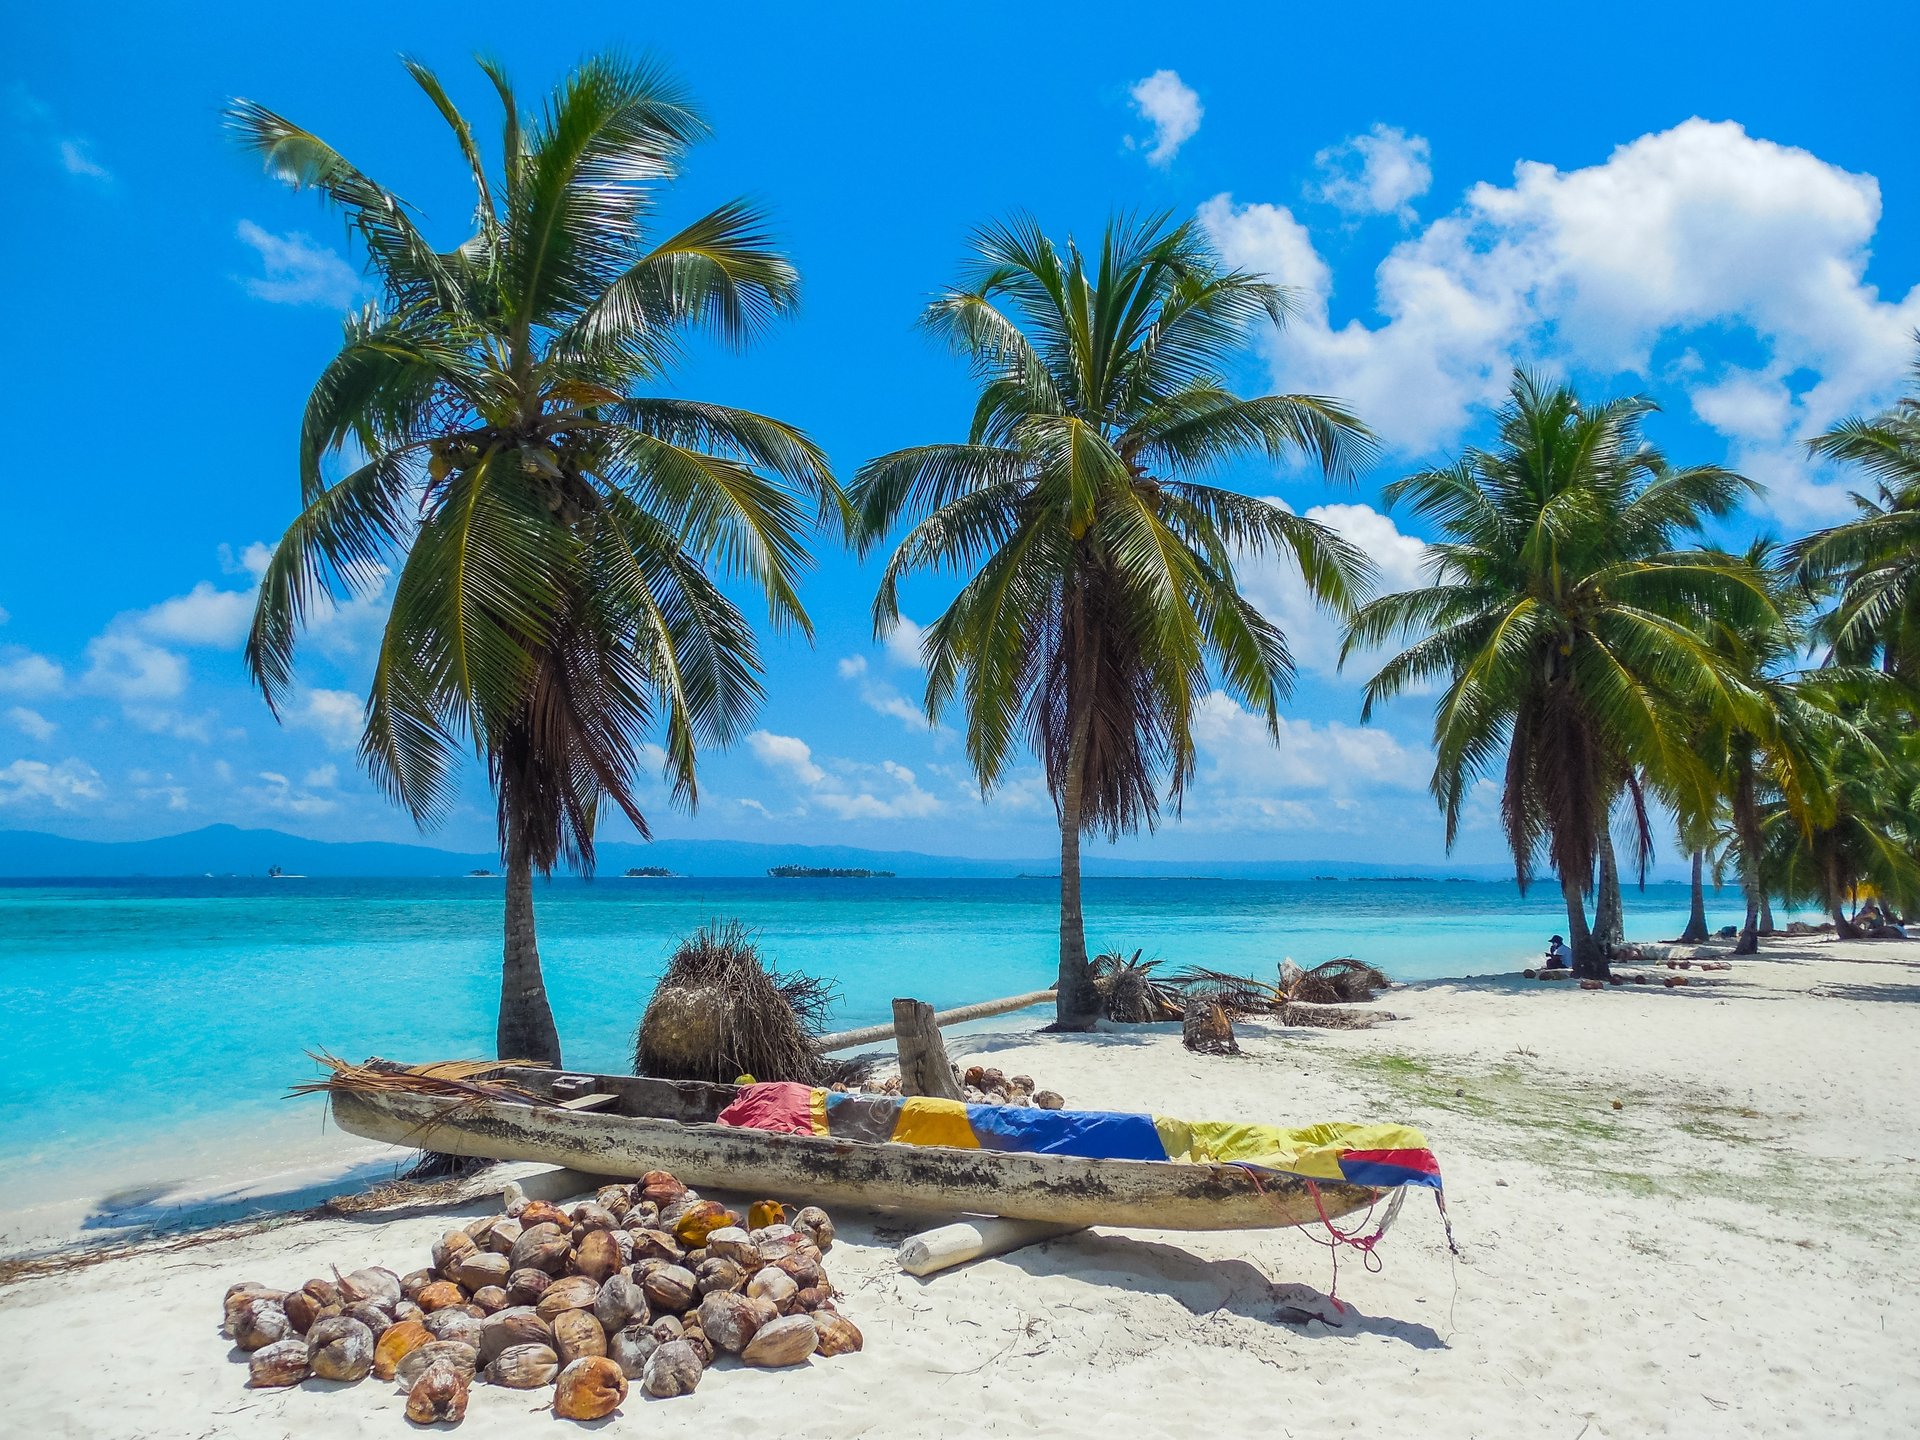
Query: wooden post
<point>924,1069</point>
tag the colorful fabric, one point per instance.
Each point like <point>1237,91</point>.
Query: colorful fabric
<point>1378,1156</point>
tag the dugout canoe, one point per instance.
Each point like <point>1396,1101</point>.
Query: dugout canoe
<point>622,1126</point>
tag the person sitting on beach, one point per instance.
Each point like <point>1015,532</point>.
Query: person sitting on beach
<point>1559,957</point>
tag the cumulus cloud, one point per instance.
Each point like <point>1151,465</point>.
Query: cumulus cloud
<point>880,697</point>
<point>1379,173</point>
<point>1313,634</point>
<point>1316,776</point>
<point>205,615</point>
<point>1172,108</point>
<point>903,644</point>
<point>159,720</point>
<point>34,784</point>
<point>845,789</point>
<point>30,676</point>
<point>297,270</point>
<point>1610,270</point>
<point>30,723</point>
<point>126,668</point>
<point>337,716</point>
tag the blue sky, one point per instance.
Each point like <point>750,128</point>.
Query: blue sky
<point>1722,214</point>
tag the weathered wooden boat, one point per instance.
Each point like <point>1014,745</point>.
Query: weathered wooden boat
<point>623,1126</point>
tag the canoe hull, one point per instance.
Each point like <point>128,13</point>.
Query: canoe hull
<point>828,1171</point>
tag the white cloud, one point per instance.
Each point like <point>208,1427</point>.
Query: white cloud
<point>159,720</point>
<point>298,271</point>
<point>787,753</point>
<point>277,793</point>
<point>128,669</point>
<point>1313,634</point>
<point>203,616</point>
<point>852,666</point>
<point>76,158</point>
<point>30,676</point>
<point>152,788</point>
<point>1697,229</point>
<point>1378,173</point>
<point>1325,776</point>
<point>321,777</point>
<point>846,789</point>
<point>31,723</point>
<point>879,696</point>
<point>903,643</point>
<point>1171,108</point>
<point>36,784</point>
<point>339,716</point>
<point>4,615</point>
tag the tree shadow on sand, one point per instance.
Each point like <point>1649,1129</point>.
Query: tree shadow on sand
<point>1203,1286</point>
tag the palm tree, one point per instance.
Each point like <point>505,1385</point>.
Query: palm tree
<point>1874,558</point>
<point>1100,596</point>
<point>1563,619</point>
<point>552,529</point>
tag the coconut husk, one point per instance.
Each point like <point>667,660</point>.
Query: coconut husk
<point>1207,1025</point>
<point>720,1012</point>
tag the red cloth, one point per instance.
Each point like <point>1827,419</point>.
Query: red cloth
<point>782,1106</point>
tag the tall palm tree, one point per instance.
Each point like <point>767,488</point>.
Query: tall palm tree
<point>551,527</point>
<point>1100,596</point>
<point>1563,618</point>
<point>1875,557</point>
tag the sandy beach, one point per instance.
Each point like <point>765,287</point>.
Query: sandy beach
<point>1684,1211</point>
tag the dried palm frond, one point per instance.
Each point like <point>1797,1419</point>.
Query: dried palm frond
<point>1241,994</point>
<point>1130,992</point>
<point>454,1079</point>
<point>1322,1017</point>
<point>1207,1023</point>
<point>1341,981</point>
<point>720,1012</point>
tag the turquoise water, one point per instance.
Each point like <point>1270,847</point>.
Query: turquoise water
<point>135,1010</point>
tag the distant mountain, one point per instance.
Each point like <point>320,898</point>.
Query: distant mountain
<point>229,850</point>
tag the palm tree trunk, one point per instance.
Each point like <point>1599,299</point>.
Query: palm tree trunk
<point>1766,911</point>
<point>1746,824</point>
<point>526,1030</point>
<point>1843,928</point>
<point>1609,913</point>
<point>1696,931</point>
<point>1588,962</point>
<point>1076,1002</point>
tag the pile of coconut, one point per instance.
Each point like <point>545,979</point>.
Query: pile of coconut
<point>979,1085</point>
<point>644,1283</point>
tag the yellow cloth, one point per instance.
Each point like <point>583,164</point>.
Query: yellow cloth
<point>928,1121</point>
<point>1312,1150</point>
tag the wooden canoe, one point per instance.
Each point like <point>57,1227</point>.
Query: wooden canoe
<point>624,1126</point>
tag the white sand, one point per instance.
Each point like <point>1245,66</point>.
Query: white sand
<point>1730,1253</point>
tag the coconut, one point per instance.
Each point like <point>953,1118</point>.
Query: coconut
<point>719,1010</point>
<point>589,1388</point>
<point>439,1394</point>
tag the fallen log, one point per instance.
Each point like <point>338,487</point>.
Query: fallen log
<point>960,1014</point>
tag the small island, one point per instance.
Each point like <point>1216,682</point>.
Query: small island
<point>811,872</point>
<point>648,872</point>
<point>480,875</point>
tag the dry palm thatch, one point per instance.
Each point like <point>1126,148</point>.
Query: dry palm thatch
<point>1241,994</point>
<point>453,1079</point>
<point>1207,1024</point>
<point>1336,982</point>
<point>719,1013</point>
<point>1323,1017</point>
<point>1131,993</point>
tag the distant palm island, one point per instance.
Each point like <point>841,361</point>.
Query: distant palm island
<point>820,872</point>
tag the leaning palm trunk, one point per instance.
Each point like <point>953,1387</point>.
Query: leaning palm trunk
<point>1766,911</point>
<point>1589,963</point>
<point>526,1030</point>
<point>1609,912</point>
<point>1696,931</point>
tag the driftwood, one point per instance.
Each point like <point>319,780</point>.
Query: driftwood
<point>924,1067</point>
<point>960,1014</point>
<point>932,1251</point>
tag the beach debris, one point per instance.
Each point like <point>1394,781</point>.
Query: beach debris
<point>439,1394</point>
<point>589,1388</point>
<point>614,1300</point>
<point>1049,1100</point>
<point>673,1369</point>
<point>1130,992</point>
<point>284,1362</point>
<point>340,1348</point>
<point>720,1011</point>
<point>1207,1028</point>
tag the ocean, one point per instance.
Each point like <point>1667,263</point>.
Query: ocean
<point>152,1026</point>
